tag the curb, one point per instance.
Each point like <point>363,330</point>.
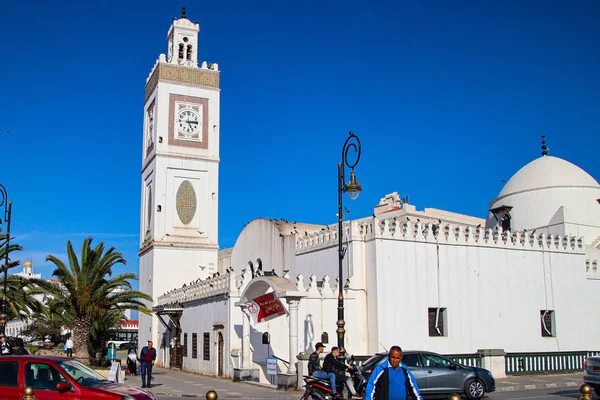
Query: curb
<point>538,386</point>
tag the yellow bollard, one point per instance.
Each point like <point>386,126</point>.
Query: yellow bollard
<point>454,396</point>
<point>585,392</point>
<point>211,395</point>
<point>29,394</point>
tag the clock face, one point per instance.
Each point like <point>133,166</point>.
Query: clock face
<point>188,123</point>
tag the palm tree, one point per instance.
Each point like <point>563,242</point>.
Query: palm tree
<point>48,322</point>
<point>88,290</point>
<point>20,301</point>
<point>101,330</point>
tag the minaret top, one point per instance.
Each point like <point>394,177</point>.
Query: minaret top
<point>183,41</point>
<point>544,147</point>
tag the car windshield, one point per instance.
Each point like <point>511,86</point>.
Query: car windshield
<point>81,373</point>
<point>375,360</point>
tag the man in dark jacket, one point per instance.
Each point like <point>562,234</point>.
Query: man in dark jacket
<point>314,366</point>
<point>392,380</point>
<point>331,364</point>
<point>147,357</point>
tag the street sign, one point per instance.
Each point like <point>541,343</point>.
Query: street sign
<point>271,366</point>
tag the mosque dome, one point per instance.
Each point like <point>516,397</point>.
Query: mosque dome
<point>551,195</point>
<point>548,172</point>
<point>28,264</point>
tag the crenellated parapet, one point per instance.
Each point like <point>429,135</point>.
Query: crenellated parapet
<point>217,285</point>
<point>591,269</point>
<point>231,284</point>
<point>465,235</point>
<point>326,237</point>
<point>401,229</point>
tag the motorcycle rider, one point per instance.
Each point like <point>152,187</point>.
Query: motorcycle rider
<point>331,364</point>
<point>314,366</point>
<point>392,380</point>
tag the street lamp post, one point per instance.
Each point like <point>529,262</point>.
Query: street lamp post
<point>353,188</point>
<point>7,211</point>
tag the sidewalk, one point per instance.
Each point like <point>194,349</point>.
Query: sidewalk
<point>169,382</point>
<point>529,382</point>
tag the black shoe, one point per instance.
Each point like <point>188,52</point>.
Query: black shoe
<point>143,386</point>
<point>148,386</point>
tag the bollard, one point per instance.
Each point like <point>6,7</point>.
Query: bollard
<point>29,394</point>
<point>211,395</point>
<point>585,392</point>
<point>454,396</point>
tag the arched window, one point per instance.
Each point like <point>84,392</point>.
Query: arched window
<point>189,52</point>
<point>149,210</point>
<point>324,338</point>
<point>181,48</point>
<point>251,268</point>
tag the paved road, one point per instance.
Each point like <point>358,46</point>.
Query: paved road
<point>170,384</point>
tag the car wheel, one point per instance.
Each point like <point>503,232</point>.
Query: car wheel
<point>474,389</point>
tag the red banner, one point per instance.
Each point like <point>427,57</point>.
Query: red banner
<point>268,306</point>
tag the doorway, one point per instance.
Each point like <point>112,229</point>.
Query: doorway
<point>220,347</point>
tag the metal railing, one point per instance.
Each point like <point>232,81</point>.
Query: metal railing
<point>470,360</point>
<point>554,362</point>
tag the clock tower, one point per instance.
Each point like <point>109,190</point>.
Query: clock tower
<point>180,171</point>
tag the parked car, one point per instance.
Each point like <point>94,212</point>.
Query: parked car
<point>436,374</point>
<point>58,378</point>
<point>591,373</point>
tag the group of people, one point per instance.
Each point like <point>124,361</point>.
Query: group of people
<point>391,380</point>
<point>146,359</point>
<point>6,349</point>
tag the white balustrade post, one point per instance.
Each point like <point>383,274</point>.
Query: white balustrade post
<point>293,307</point>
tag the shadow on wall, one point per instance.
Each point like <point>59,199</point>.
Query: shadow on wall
<point>309,335</point>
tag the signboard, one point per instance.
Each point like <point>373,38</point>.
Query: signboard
<point>266,307</point>
<point>115,373</point>
<point>271,366</point>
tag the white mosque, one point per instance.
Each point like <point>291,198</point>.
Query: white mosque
<point>520,280</point>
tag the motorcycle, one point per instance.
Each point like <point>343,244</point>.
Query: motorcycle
<point>320,388</point>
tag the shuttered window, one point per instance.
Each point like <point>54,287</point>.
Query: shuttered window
<point>194,345</point>
<point>437,321</point>
<point>185,353</point>
<point>206,346</point>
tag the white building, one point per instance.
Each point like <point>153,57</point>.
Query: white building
<point>521,280</point>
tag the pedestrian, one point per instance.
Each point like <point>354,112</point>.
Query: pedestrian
<point>69,347</point>
<point>314,366</point>
<point>331,364</point>
<point>392,380</point>
<point>132,361</point>
<point>4,346</point>
<point>147,357</point>
<point>19,348</point>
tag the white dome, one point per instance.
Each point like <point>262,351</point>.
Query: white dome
<point>550,194</point>
<point>548,172</point>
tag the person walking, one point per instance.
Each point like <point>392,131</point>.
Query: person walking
<point>314,366</point>
<point>392,380</point>
<point>69,346</point>
<point>147,357</point>
<point>132,361</point>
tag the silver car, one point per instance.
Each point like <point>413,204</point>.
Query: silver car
<point>591,373</point>
<point>436,374</point>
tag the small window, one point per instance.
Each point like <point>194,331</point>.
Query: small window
<point>42,376</point>
<point>547,323</point>
<point>194,345</point>
<point>206,346</point>
<point>9,374</point>
<point>437,322</point>
<point>185,353</point>
<point>324,338</point>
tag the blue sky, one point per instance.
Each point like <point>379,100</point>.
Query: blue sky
<point>448,99</point>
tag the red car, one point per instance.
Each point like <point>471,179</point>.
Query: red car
<point>58,378</point>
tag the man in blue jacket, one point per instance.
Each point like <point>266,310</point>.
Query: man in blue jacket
<point>147,357</point>
<point>392,380</point>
